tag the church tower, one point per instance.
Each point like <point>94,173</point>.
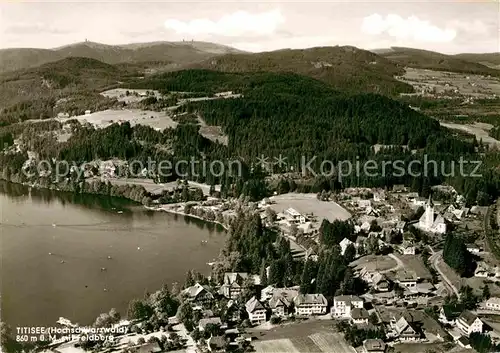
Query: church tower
<point>429,213</point>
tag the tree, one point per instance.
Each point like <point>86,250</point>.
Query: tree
<point>486,292</point>
<point>350,253</point>
<point>270,215</point>
<point>455,254</point>
<point>164,303</point>
<point>189,279</point>
<point>307,278</point>
<point>467,298</point>
<point>263,274</point>
<point>103,320</point>
<point>185,312</point>
<point>7,341</point>
<point>115,315</point>
<point>139,310</point>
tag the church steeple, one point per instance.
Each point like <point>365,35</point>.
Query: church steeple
<point>429,202</point>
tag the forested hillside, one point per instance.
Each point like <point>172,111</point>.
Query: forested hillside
<point>425,59</point>
<point>165,52</point>
<point>69,85</point>
<point>487,59</point>
<point>289,115</point>
<point>346,68</point>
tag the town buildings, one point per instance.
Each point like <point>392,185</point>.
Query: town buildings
<point>469,323</point>
<point>374,346</point>
<point>310,304</point>
<point>430,221</point>
<point>256,311</point>
<point>234,283</point>
<point>198,294</point>
<point>343,305</point>
<point>403,330</point>
<point>493,304</point>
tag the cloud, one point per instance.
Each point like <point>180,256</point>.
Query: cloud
<point>236,24</point>
<point>411,28</point>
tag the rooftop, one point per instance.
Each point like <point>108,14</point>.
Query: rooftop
<point>374,345</point>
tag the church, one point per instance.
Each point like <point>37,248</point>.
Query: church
<point>430,221</point>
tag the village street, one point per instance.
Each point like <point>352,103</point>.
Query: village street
<point>435,258</point>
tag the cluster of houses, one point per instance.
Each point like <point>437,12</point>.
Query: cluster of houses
<point>278,302</point>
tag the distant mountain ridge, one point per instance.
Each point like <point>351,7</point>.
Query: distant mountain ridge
<point>343,67</point>
<point>169,52</point>
<point>426,59</point>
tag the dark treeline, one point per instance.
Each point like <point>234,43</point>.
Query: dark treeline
<point>455,254</point>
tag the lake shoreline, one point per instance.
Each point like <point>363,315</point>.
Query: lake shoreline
<point>168,208</point>
<point>161,207</point>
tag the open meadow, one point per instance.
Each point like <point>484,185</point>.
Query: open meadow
<point>308,204</point>
<point>479,130</point>
<point>303,337</point>
<point>102,119</point>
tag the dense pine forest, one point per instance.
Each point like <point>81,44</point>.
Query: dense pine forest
<point>285,114</point>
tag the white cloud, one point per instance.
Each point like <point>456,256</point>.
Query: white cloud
<point>236,24</point>
<point>411,28</point>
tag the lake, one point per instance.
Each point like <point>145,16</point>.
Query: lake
<point>54,245</point>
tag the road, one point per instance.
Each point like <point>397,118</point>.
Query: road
<point>434,260</point>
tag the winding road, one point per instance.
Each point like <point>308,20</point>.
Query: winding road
<point>435,258</point>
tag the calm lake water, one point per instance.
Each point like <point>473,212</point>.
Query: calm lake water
<point>147,249</point>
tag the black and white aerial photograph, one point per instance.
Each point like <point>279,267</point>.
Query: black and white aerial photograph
<point>250,176</point>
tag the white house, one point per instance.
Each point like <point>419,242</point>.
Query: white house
<point>373,345</point>
<point>281,300</point>
<point>344,244</point>
<point>481,270</point>
<point>379,196</point>
<point>473,249</point>
<point>408,248</point>
<point>256,311</point>
<point>294,216</point>
<point>407,279</point>
<point>343,305</point>
<point>87,112</point>
<point>234,283</point>
<point>469,323</point>
<point>380,282</point>
<point>198,294</point>
<point>493,304</point>
<point>364,203</point>
<point>403,330</point>
<point>310,304</point>
<point>419,201</point>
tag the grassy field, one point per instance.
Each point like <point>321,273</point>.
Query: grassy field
<point>441,82</point>
<point>304,337</point>
<point>309,204</point>
<point>480,130</point>
<point>157,120</point>
<point>134,95</point>
<point>421,347</point>
<point>374,263</point>
<point>416,264</point>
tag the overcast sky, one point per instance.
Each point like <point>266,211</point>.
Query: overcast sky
<point>447,26</point>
